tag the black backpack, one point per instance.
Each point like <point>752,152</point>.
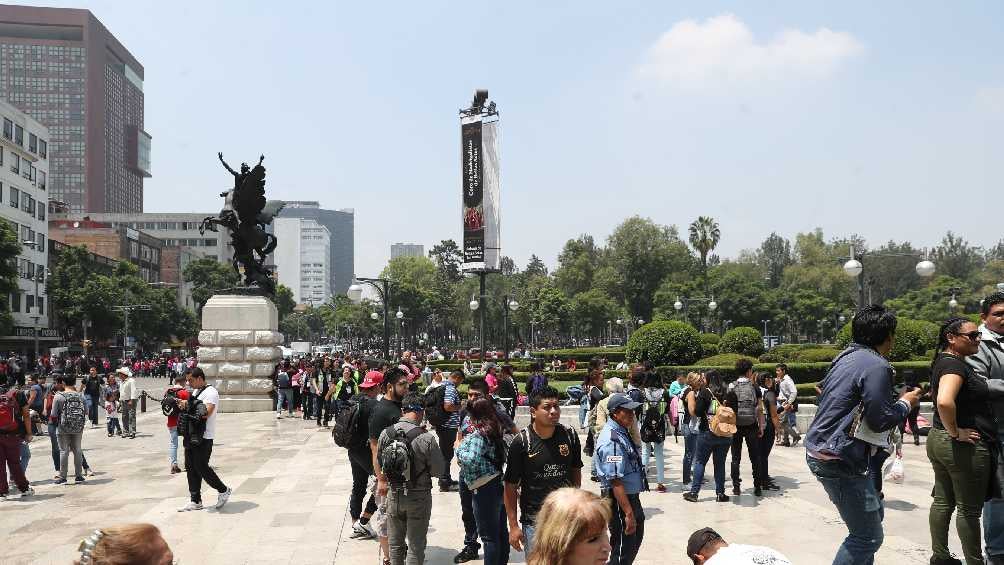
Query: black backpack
<point>433,401</point>
<point>653,424</point>
<point>746,410</point>
<point>169,404</point>
<point>349,430</point>
<point>397,458</point>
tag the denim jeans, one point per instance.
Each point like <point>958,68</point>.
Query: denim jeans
<point>583,411</point>
<point>660,459</point>
<point>528,532</point>
<point>624,548</point>
<point>53,431</point>
<point>92,408</point>
<point>287,395</point>
<point>172,450</point>
<point>708,445</point>
<point>493,527</point>
<point>859,506</point>
<point>467,515</point>
<point>70,443</point>
<point>993,524</point>
<point>689,450</point>
<point>25,456</point>
<point>113,425</point>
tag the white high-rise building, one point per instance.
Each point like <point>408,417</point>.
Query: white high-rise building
<point>24,200</point>
<point>303,259</point>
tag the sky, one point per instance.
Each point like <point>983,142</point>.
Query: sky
<point>883,119</point>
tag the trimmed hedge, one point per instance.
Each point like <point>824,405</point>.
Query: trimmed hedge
<point>713,339</point>
<point>724,360</point>
<point>913,338</point>
<point>816,355</point>
<point>664,342</point>
<point>582,354</point>
<point>743,340</point>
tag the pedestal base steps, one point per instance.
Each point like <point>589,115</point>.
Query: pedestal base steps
<point>239,347</point>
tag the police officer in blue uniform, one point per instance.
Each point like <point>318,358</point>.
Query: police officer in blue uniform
<point>622,476</point>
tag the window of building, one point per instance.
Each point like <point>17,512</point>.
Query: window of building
<point>15,300</point>
<point>15,163</point>
<point>42,178</point>
<point>41,209</point>
<point>30,208</point>
<point>26,169</point>
<point>8,129</point>
<point>133,250</point>
<point>32,143</point>
<point>41,240</point>
<point>19,135</point>
<point>15,197</point>
<point>43,149</point>
<point>1,156</point>
<point>40,301</point>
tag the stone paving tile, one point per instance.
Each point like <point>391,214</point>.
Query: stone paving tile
<point>291,491</point>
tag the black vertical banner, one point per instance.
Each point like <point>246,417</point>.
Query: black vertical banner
<point>473,192</point>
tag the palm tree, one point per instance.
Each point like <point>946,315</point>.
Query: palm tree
<point>704,237</point>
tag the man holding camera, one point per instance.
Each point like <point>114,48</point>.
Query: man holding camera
<point>198,420</point>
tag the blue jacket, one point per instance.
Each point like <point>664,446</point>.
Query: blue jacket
<point>859,375</point>
<point>617,457</point>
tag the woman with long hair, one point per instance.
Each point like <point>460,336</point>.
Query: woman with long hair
<point>958,443</point>
<point>481,456</point>
<point>571,529</point>
<point>703,406</point>
<point>689,424</point>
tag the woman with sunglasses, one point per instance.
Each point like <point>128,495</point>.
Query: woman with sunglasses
<point>957,445</point>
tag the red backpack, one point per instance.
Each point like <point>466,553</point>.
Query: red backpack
<point>10,412</point>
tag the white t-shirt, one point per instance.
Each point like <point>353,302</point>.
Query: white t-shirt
<point>210,395</point>
<point>738,554</point>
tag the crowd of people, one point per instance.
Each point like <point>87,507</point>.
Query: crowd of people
<point>403,423</point>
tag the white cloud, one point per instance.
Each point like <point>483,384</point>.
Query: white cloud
<point>723,49</point>
<point>991,98</point>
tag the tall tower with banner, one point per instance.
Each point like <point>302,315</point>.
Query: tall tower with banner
<point>481,191</point>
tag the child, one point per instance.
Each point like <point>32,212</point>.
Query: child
<point>112,411</point>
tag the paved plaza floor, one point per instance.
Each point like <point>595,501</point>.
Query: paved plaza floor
<point>291,488</point>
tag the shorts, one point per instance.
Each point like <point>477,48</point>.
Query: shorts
<point>379,518</point>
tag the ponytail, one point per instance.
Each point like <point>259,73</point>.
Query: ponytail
<point>952,326</point>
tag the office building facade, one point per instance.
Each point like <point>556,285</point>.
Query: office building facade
<point>406,250</point>
<point>303,259</point>
<point>24,169</point>
<point>65,69</point>
<point>119,243</point>
<point>341,227</point>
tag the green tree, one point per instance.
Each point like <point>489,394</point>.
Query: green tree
<point>284,302</point>
<point>956,258</point>
<point>894,273</point>
<point>645,253</point>
<point>448,259</point>
<point>207,277</point>
<point>930,303</point>
<point>411,282</point>
<point>591,310</point>
<point>576,265</point>
<point>704,237</point>
<point>774,255</point>
<point>10,248</point>
<point>535,268</point>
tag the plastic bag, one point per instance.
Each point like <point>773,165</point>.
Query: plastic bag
<point>894,470</point>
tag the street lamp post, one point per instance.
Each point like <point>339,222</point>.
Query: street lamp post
<point>765,322</point>
<point>399,316</point>
<point>382,286</point>
<point>855,269</point>
<point>510,304</point>
<point>683,303</point>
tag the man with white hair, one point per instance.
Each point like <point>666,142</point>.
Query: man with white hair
<point>128,394</point>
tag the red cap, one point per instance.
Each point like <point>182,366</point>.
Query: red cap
<point>373,378</point>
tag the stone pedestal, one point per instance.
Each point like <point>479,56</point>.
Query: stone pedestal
<point>238,348</point>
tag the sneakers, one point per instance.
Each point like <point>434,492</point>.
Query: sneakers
<point>722,498</point>
<point>278,416</point>
<point>757,491</point>
<point>79,479</point>
<point>223,498</point>
<point>60,481</point>
<point>690,497</point>
<point>28,493</point>
<point>794,442</point>
<point>88,472</point>
<point>363,531</point>
<point>737,491</point>
<point>175,469</point>
<point>191,506</point>
<point>661,488</point>
<point>467,554</point>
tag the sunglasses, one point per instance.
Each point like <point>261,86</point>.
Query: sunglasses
<point>973,335</point>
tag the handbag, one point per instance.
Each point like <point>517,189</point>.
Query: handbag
<point>590,446</point>
<point>995,487</point>
<point>860,430</point>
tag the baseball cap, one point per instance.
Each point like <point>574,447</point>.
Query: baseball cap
<point>699,539</point>
<point>373,378</point>
<point>618,401</point>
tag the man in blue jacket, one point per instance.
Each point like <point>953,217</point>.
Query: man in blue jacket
<point>859,377</point>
